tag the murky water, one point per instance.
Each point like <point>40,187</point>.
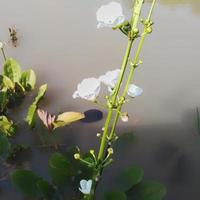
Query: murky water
<point>60,41</point>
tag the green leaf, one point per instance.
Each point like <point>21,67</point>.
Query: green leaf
<point>31,185</point>
<point>67,118</point>
<point>45,189</point>
<point>26,182</point>
<point>129,177</point>
<point>59,168</point>
<point>30,116</point>
<point>28,80</point>
<point>16,96</point>
<point>116,195</point>
<point>3,101</point>
<point>5,147</point>
<point>150,190</point>
<point>12,70</point>
<point>41,93</point>
<point>6,83</point>
<point>6,126</point>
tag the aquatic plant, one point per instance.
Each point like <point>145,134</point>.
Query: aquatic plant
<point>111,15</point>
<point>82,172</point>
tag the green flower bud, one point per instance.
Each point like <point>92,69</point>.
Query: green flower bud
<point>77,156</point>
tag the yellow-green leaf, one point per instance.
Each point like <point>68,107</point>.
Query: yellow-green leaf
<point>28,79</point>
<point>30,117</point>
<point>6,83</point>
<point>6,126</point>
<point>67,118</point>
<point>12,70</point>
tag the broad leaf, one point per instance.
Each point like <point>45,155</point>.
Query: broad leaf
<point>16,96</point>
<point>59,168</point>
<point>150,190</point>
<point>5,147</point>
<point>67,118</point>
<point>6,126</point>
<point>31,185</point>
<point>129,177</point>
<point>6,83</point>
<point>116,195</point>
<point>26,182</point>
<point>12,70</point>
<point>45,189</point>
<point>30,116</point>
<point>28,80</point>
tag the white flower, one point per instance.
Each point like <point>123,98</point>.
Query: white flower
<point>88,89</point>
<point>110,15</point>
<point>85,186</point>
<point>134,91</point>
<point>110,78</point>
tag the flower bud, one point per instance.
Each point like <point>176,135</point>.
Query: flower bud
<point>98,134</point>
<point>1,45</point>
<point>125,117</point>
<point>92,151</point>
<point>77,156</point>
<point>149,30</point>
<point>110,150</point>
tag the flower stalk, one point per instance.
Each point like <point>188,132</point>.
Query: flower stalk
<point>116,101</point>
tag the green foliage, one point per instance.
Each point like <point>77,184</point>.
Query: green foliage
<point>30,116</point>
<point>41,93</point>
<point>31,185</point>
<point>6,83</point>
<point>116,195</point>
<point>6,126</point>
<point>28,79</point>
<point>150,190</point>
<point>129,177</point>
<point>59,169</point>
<point>3,101</point>
<point>13,87</point>
<point>12,70</point>
<point>5,147</point>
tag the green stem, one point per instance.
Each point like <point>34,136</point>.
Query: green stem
<point>135,62</point>
<point>151,9</point>
<point>113,100</point>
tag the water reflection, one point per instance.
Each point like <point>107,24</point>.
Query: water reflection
<point>193,4</point>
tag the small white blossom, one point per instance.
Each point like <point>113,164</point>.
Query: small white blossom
<point>134,91</point>
<point>110,15</point>
<point>110,79</point>
<point>85,186</point>
<point>88,89</point>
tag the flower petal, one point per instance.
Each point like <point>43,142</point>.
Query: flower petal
<point>85,186</point>
<point>88,89</point>
<point>110,15</point>
<point>134,91</point>
<point>110,78</point>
